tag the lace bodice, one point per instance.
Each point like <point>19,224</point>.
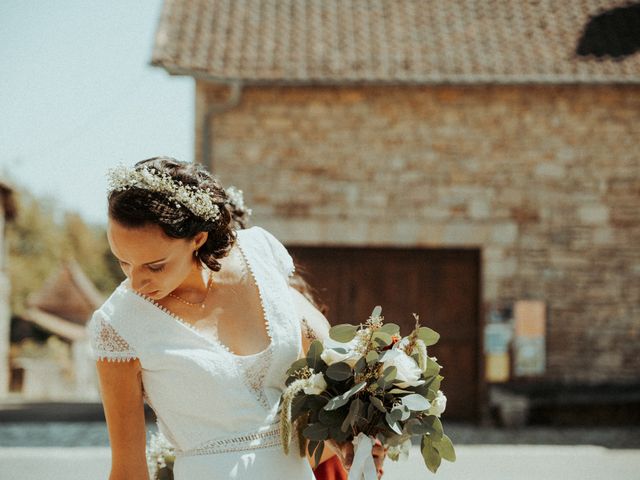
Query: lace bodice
<point>204,395</point>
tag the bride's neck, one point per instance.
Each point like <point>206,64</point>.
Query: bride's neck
<point>196,282</point>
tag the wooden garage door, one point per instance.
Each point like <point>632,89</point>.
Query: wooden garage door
<point>442,286</point>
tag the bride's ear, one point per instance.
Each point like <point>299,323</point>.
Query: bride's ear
<point>200,239</point>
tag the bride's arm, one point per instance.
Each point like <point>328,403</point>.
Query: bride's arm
<point>122,399</point>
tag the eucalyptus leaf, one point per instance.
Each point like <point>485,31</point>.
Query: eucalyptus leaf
<point>376,402</point>
<point>390,328</point>
<point>388,376</point>
<point>313,356</point>
<point>377,311</point>
<point>316,431</point>
<point>434,386</point>
<point>399,390</point>
<point>393,424</point>
<point>404,412</point>
<point>415,402</point>
<point>318,454</point>
<point>297,365</point>
<point>430,454</point>
<point>340,400</point>
<point>445,447</point>
<point>298,406</point>
<point>436,432</point>
<point>343,333</point>
<point>352,416</point>
<point>428,336</point>
<point>339,371</point>
<point>331,418</point>
<point>433,368</point>
<point>311,446</point>
<point>416,427</point>
<point>338,435</point>
<point>383,339</point>
<point>372,357</point>
<point>360,365</point>
<point>395,414</point>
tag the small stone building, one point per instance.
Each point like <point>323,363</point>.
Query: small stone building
<point>62,368</point>
<point>445,158</point>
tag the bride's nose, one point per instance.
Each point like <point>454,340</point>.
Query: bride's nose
<point>138,281</point>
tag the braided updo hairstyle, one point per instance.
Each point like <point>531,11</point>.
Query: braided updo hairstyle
<point>137,207</point>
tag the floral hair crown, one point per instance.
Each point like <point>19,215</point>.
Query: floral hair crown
<point>197,200</point>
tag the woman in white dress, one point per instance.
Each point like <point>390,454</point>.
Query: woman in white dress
<point>203,328</point>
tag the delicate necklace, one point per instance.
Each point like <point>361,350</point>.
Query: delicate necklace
<point>195,304</point>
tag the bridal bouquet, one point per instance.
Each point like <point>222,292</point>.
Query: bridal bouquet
<point>368,382</point>
<point>160,455</point>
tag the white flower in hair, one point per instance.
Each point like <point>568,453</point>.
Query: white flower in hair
<point>236,198</point>
<point>197,200</point>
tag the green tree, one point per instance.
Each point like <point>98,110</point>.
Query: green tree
<point>42,237</point>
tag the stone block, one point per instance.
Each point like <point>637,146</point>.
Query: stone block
<point>504,233</point>
<point>594,214</point>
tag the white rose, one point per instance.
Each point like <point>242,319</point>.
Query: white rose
<point>438,404</point>
<point>316,384</point>
<point>408,374</point>
<point>330,356</point>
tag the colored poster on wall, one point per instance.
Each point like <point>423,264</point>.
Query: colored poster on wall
<point>529,338</point>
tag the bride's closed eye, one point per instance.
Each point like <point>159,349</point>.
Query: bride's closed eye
<point>155,268</point>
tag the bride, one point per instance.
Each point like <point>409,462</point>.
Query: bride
<point>203,328</point>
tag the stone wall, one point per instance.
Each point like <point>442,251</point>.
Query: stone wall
<point>544,179</point>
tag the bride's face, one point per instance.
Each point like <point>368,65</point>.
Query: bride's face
<point>154,263</point>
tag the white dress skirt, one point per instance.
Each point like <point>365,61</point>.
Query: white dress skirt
<point>218,409</point>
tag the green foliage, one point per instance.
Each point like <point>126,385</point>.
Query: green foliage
<point>415,402</point>
<point>313,357</point>
<point>428,336</point>
<point>340,400</point>
<point>43,236</point>
<point>339,371</point>
<point>430,454</point>
<point>364,398</point>
<point>316,431</point>
<point>343,333</point>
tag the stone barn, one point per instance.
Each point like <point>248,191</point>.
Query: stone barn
<point>446,158</point>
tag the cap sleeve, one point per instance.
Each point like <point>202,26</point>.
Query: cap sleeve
<point>282,258</point>
<point>106,342</point>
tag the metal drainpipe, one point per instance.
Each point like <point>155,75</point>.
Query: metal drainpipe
<point>216,108</point>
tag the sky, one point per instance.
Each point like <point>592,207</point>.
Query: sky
<point>77,96</point>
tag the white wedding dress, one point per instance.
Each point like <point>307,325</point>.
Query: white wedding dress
<point>217,408</point>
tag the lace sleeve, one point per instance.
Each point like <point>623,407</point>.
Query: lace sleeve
<point>106,342</point>
<point>282,258</point>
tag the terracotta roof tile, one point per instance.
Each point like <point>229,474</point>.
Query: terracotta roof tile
<point>402,41</point>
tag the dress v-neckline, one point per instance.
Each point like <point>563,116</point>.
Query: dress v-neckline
<point>214,340</point>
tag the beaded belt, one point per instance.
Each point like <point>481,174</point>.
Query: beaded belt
<point>269,437</point>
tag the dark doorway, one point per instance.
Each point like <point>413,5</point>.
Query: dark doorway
<point>440,285</point>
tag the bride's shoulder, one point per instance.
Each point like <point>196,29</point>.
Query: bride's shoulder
<point>264,243</point>
<point>120,303</point>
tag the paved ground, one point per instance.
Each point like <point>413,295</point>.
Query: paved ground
<point>477,462</point>
<point>79,450</point>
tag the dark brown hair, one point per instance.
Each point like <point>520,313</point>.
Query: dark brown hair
<point>138,207</point>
